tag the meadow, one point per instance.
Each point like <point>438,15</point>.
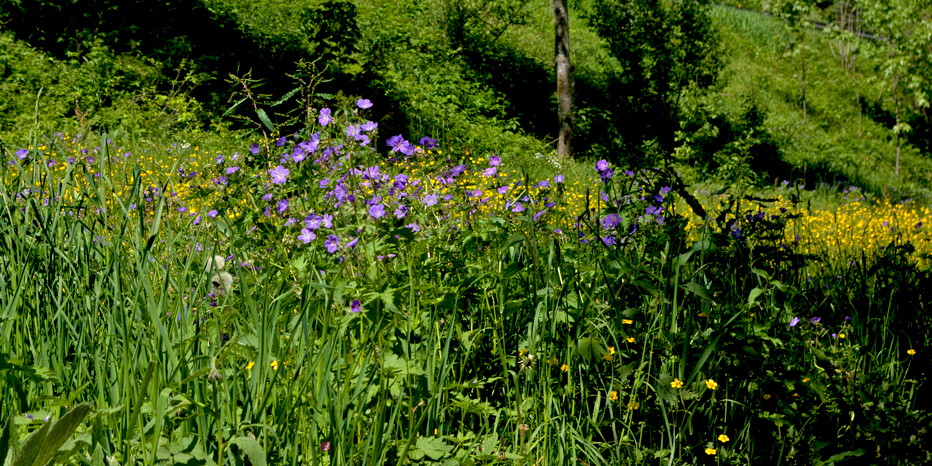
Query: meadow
<point>306,300</point>
<point>372,255</point>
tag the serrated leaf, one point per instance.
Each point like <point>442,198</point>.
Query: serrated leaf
<point>264,118</point>
<point>287,96</point>
<point>433,447</point>
<point>698,290</point>
<point>251,448</point>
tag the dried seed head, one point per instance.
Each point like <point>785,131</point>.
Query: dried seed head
<point>214,375</point>
<point>221,284</point>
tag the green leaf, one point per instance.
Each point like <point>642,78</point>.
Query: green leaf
<point>60,432</point>
<point>251,448</point>
<point>841,456</point>
<point>265,119</point>
<point>31,447</point>
<point>432,447</point>
<point>287,96</point>
<point>5,436</point>
<point>698,290</point>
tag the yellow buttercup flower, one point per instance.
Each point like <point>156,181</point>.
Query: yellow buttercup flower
<point>634,405</point>
<point>676,383</point>
<point>565,367</point>
<point>611,350</point>
<point>911,352</point>
<point>249,366</point>
<point>806,380</point>
<point>766,396</point>
<point>710,384</point>
<point>710,451</point>
<point>841,335</point>
<point>630,339</point>
<point>613,395</point>
<point>275,365</point>
<point>723,438</point>
<point>627,321</point>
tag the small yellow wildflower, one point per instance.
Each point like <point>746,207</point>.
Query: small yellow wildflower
<point>766,396</point>
<point>806,380</point>
<point>565,367</point>
<point>627,321</point>
<point>676,383</point>
<point>710,384</point>
<point>521,353</point>
<point>613,395</point>
<point>611,350</point>
<point>249,366</point>
<point>710,451</point>
<point>841,335</point>
<point>634,405</point>
<point>911,352</point>
<point>630,339</point>
<point>723,438</point>
<point>275,365</point>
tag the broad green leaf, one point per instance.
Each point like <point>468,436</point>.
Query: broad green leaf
<point>265,119</point>
<point>251,448</point>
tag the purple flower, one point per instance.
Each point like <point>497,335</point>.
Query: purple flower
<point>601,165</point>
<point>356,306</point>
<point>279,174</point>
<point>503,189</point>
<point>430,200</point>
<point>495,160</point>
<point>377,211</point>
<point>281,141</point>
<point>352,131</point>
<point>543,184</point>
<point>664,190</point>
<point>312,221</point>
<point>212,214</point>
<point>324,118</point>
<point>326,221</point>
<point>428,143</point>
<point>324,446</point>
<point>608,240</point>
<point>254,149</point>
<point>794,321</point>
<point>815,320</point>
<point>538,215</point>
<point>332,243</point>
<point>197,220</point>
<point>232,170</point>
<point>610,221</point>
<point>517,207</point>
<point>267,197</point>
<point>219,159</point>
<point>307,236</point>
<point>490,172</point>
<point>398,144</point>
<point>298,154</point>
<point>282,206</point>
<point>606,175</point>
<point>401,211</point>
<point>364,103</point>
<point>558,179</point>
<point>352,243</point>
<point>413,227</point>
<point>22,153</point>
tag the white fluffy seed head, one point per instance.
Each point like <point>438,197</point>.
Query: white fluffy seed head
<point>216,263</point>
<point>221,284</point>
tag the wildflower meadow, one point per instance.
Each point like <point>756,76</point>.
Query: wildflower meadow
<point>314,298</point>
<point>242,232</point>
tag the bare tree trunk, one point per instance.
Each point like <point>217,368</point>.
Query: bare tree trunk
<point>565,82</point>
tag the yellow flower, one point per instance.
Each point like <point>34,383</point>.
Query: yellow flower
<point>911,352</point>
<point>521,353</point>
<point>630,339</point>
<point>806,380</point>
<point>841,335</point>
<point>634,405</point>
<point>611,350</point>
<point>710,451</point>
<point>710,384</point>
<point>627,321</point>
<point>608,357</point>
<point>723,438</point>
<point>676,383</point>
<point>565,367</point>
<point>613,395</point>
<point>766,396</point>
<point>249,366</point>
<point>275,365</point>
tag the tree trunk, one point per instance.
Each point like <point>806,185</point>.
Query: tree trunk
<point>565,81</point>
